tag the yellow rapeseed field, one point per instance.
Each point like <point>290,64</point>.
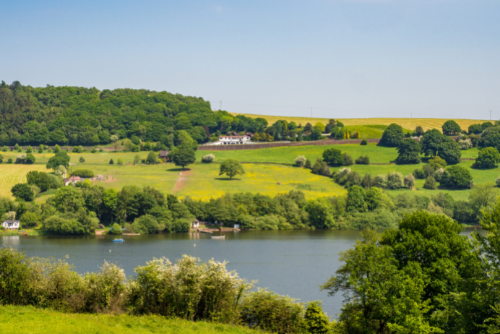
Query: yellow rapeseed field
<point>406,123</point>
<point>11,174</point>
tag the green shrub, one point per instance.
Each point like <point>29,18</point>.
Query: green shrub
<point>347,160</point>
<point>364,142</point>
<point>300,161</point>
<point>317,321</point>
<point>270,312</point>
<point>488,157</point>
<point>189,289</point>
<point>208,158</point>
<point>85,173</point>
<point>115,229</point>
<point>392,136</point>
<point>333,157</point>
<point>363,160</point>
<point>456,177</point>
<point>430,183</point>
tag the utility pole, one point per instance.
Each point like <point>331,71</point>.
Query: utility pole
<point>490,115</point>
<point>311,112</point>
<point>220,106</point>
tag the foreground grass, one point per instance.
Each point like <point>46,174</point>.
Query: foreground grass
<point>20,320</point>
<point>406,123</point>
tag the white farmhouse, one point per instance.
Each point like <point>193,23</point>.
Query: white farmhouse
<point>234,140</point>
<point>11,224</point>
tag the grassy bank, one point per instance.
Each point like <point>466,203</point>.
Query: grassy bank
<point>20,320</point>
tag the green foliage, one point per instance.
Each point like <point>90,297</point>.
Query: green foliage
<point>456,177</point>
<point>378,295</point>
<point>116,229</point>
<point>146,224</point>
<point>23,191</point>
<point>152,158</point>
<point>183,155</point>
<point>231,168</point>
<point>271,312</point>
<point>321,213</point>
<point>491,137</point>
<point>356,196</point>
<point>363,160</point>
<point>85,173</point>
<point>308,164</point>
<point>488,157</point>
<point>208,158</point>
<point>59,159</point>
<point>364,142</point>
<point>431,141</point>
<point>430,183</point>
<point>111,162</point>
<point>419,173</point>
<point>408,152</point>
<point>333,157</point>
<point>40,179</point>
<point>451,128</point>
<point>347,160</point>
<point>437,162</point>
<point>392,136</point>
<point>450,152</point>
<point>475,128</point>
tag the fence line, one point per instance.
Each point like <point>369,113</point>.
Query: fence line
<point>238,147</point>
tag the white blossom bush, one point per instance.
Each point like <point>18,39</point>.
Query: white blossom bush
<point>394,180</point>
<point>465,144</point>
<point>300,160</point>
<point>208,158</point>
<point>409,181</point>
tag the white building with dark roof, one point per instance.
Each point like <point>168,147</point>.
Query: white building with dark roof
<point>11,224</point>
<point>234,140</point>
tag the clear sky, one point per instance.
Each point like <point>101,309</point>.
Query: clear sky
<point>343,58</point>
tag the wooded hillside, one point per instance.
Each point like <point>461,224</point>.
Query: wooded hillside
<point>87,116</point>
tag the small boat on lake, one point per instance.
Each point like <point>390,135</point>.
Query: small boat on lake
<point>118,240</point>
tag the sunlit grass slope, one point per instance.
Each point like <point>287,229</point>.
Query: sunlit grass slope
<point>28,320</point>
<point>203,182</point>
<point>11,174</point>
<point>406,123</point>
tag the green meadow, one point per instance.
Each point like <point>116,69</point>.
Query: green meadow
<point>28,320</point>
<point>202,181</point>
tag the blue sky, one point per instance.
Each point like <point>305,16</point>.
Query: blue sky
<point>343,58</point>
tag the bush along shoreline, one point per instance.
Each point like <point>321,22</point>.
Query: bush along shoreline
<point>188,289</point>
<point>449,286</point>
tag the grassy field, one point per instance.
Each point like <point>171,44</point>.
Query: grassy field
<point>202,181</point>
<point>406,123</point>
<point>28,320</point>
<point>12,174</point>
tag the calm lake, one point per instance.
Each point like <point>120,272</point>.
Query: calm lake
<point>291,263</point>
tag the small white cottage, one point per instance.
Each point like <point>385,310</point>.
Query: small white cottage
<point>11,224</point>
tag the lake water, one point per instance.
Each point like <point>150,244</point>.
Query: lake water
<point>291,263</point>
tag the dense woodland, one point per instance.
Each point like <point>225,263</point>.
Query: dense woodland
<point>87,116</point>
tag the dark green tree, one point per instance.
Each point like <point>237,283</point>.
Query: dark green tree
<point>183,155</point>
<point>488,157</point>
<point>392,136</point>
<point>23,191</point>
<point>449,150</point>
<point>456,177</point>
<point>231,168</point>
<point>333,157</point>
<point>408,152</point>
<point>451,128</point>
<point>431,141</point>
<point>59,159</point>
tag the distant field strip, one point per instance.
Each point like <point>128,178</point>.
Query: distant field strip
<point>406,123</point>
<point>11,174</point>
